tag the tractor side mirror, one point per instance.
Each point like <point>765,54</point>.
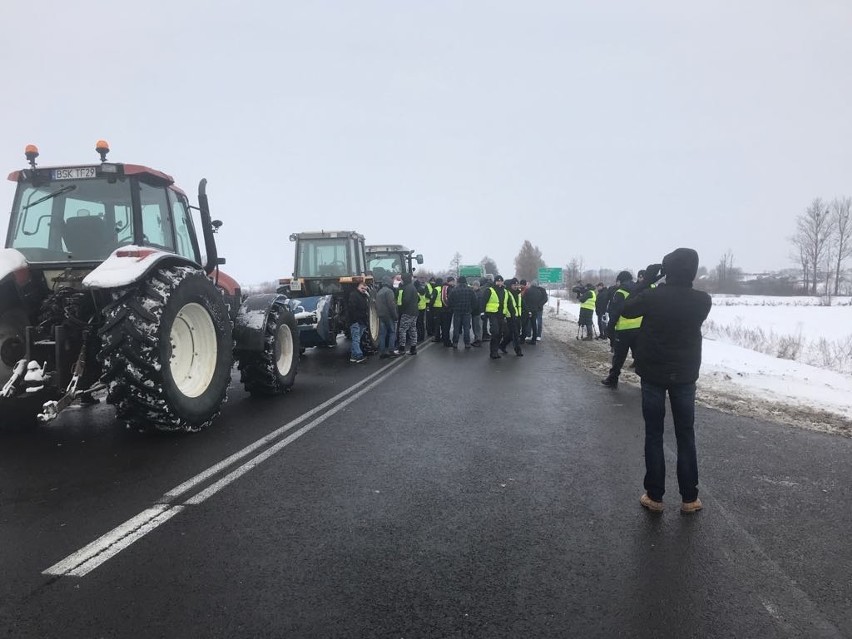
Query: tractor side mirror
<point>419,258</point>
<point>216,224</point>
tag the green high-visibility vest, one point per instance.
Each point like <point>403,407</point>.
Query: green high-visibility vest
<point>624,323</point>
<point>590,303</point>
<point>422,300</point>
<point>399,296</point>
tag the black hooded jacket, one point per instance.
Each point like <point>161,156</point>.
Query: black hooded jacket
<point>668,349</point>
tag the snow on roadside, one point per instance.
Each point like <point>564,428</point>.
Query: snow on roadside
<point>739,380</point>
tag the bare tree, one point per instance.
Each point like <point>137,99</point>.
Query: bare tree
<point>455,263</point>
<point>813,234</point>
<point>727,275</point>
<point>528,261</point>
<point>489,265</point>
<point>571,272</point>
<point>841,223</point>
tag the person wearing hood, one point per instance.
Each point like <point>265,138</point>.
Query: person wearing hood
<point>621,330</point>
<point>387,310</point>
<point>668,359</point>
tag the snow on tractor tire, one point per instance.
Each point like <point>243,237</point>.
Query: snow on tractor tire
<point>272,370</point>
<point>166,351</point>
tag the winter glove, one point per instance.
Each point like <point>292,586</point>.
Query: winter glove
<point>653,273</point>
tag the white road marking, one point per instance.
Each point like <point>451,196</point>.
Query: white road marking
<point>110,544</point>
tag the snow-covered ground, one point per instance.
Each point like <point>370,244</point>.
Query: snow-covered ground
<point>810,385</point>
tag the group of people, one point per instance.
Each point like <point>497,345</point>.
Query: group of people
<point>448,312</point>
<point>501,311</point>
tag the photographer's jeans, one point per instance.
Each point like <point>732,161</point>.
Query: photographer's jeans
<point>682,398</point>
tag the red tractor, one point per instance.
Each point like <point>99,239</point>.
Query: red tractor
<point>105,285</point>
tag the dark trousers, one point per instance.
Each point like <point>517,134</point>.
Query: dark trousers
<point>461,321</point>
<point>624,341</point>
<point>532,321</point>
<point>430,322</point>
<point>496,326</point>
<point>512,334</point>
<point>437,314</point>
<point>601,326</point>
<point>446,323</point>
<point>682,399</point>
<point>421,325</point>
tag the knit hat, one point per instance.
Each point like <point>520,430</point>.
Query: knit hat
<point>462,279</point>
<point>498,278</point>
<point>624,276</point>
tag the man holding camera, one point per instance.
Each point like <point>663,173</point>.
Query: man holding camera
<point>668,358</point>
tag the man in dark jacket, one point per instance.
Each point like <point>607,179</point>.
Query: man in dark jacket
<point>535,298</point>
<point>358,317</point>
<point>601,302</point>
<point>446,311</point>
<point>514,311</point>
<point>621,330</point>
<point>462,301</point>
<point>386,308</point>
<point>494,306</point>
<point>668,358</point>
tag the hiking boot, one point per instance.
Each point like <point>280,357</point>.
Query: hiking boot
<point>688,507</point>
<point>610,382</point>
<point>412,350</point>
<point>650,504</point>
<point>495,356</point>
<point>519,353</point>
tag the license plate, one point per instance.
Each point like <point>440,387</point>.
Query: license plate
<point>75,173</point>
<point>296,285</point>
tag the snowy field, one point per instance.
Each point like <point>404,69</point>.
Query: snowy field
<point>788,358</point>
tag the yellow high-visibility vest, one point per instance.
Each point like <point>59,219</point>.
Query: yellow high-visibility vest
<point>624,323</point>
<point>493,303</point>
<point>590,303</point>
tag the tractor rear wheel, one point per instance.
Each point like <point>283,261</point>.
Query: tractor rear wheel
<point>273,371</point>
<point>167,351</point>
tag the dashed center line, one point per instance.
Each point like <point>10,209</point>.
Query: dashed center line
<point>107,546</point>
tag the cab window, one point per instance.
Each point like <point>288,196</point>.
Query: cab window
<point>184,244</point>
<point>157,227</point>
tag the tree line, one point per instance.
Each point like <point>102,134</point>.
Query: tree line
<point>822,243</point>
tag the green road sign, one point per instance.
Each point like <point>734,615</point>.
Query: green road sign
<point>550,276</point>
<point>474,270</point>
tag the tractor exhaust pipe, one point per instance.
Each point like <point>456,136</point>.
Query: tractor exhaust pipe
<point>207,228</point>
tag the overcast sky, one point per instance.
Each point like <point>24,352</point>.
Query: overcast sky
<point>612,131</point>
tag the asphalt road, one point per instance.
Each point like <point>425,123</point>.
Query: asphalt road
<point>442,495</point>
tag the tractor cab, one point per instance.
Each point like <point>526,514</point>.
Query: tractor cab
<point>327,263</point>
<point>76,216</point>
<point>390,260</point>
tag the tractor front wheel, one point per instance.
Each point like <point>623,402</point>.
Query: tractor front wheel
<point>273,371</point>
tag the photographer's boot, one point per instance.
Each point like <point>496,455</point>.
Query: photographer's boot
<point>610,382</point>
